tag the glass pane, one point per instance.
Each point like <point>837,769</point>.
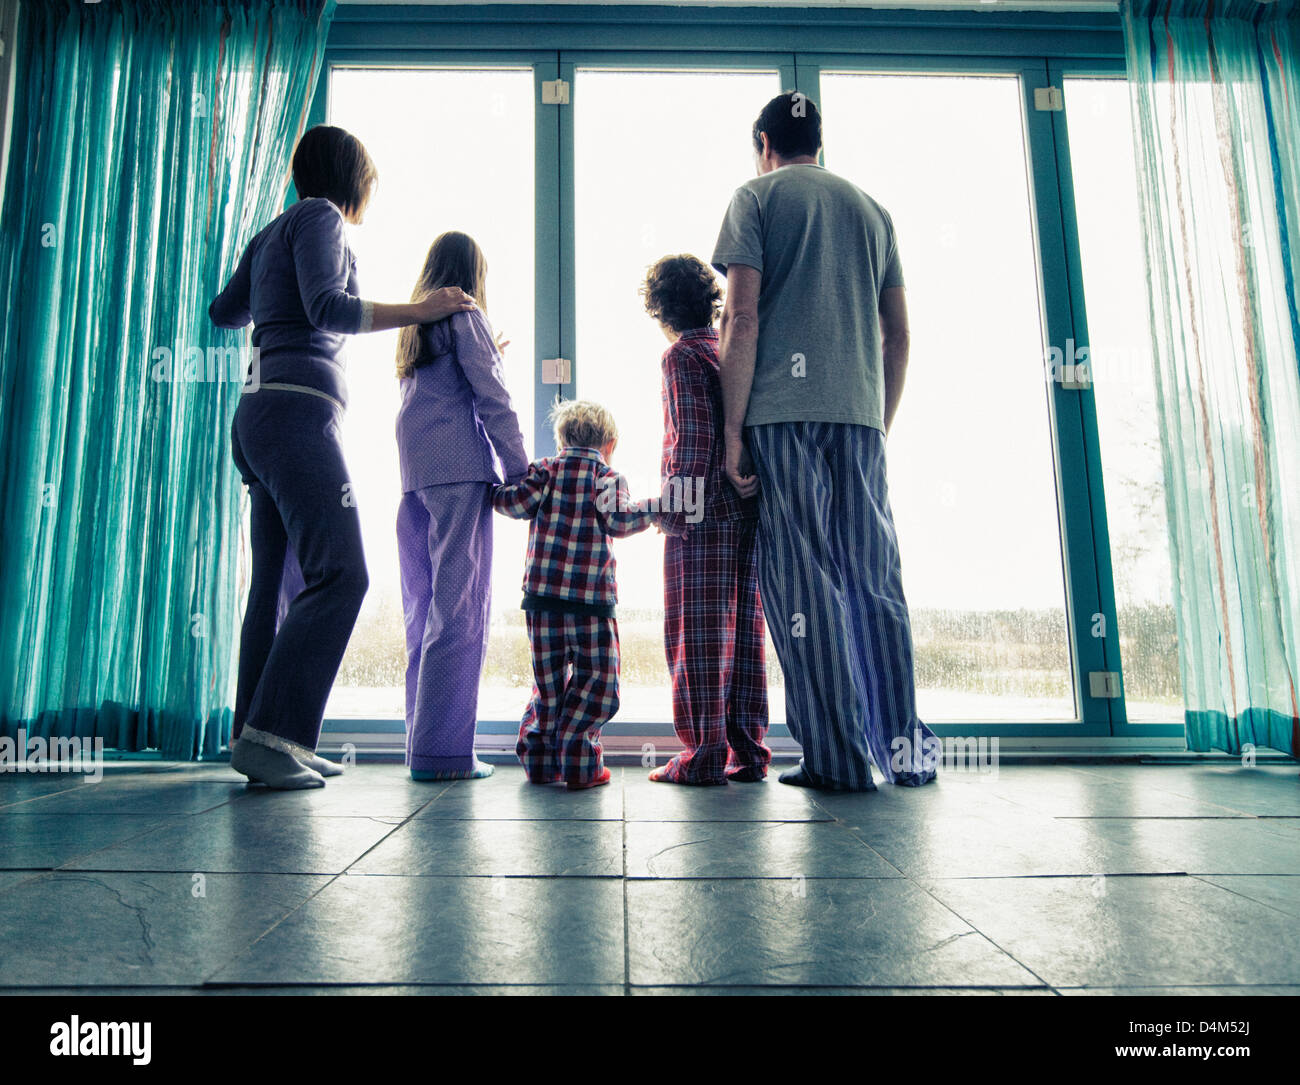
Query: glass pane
<point>645,189</point>
<point>469,168</point>
<point>1110,243</point>
<point>971,462</point>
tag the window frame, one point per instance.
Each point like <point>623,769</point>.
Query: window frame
<point>1040,48</point>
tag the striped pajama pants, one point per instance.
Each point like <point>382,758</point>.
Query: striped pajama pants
<point>832,589</point>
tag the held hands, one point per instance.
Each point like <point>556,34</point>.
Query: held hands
<point>740,468</point>
<point>442,303</point>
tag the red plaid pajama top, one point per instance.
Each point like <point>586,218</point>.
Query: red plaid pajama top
<point>576,502</point>
<point>693,444</point>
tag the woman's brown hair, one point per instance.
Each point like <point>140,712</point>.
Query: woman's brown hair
<point>454,260</point>
<point>332,163</point>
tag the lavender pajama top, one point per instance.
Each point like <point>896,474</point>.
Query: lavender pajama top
<point>456,420</point>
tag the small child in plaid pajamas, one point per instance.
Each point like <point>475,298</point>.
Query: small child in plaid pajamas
<point>576,503</point>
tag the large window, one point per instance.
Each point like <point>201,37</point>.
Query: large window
<point>454,150</point>
<point>1119,354</point>
<point>575,172</point>
<point>645,186</point>
<point>971,469</point>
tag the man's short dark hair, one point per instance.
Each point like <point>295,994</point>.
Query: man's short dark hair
<point>682,292</point>
<point>792,123</point>
<point>333,163</point>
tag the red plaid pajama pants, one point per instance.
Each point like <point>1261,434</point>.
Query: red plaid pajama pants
<point>713,638</point>
<point>575,693</point>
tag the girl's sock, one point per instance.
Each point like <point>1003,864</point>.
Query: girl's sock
<point>480,771</point>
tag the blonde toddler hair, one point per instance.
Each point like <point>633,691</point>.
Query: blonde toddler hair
<point>579,423</point>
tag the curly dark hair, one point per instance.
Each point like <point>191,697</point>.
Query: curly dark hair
<point>682,292</point>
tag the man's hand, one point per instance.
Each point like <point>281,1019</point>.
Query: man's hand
<point>740,468</point>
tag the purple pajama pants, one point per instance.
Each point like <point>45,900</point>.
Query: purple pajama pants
<point>444,546</point>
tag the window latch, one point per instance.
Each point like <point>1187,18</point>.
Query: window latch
<point>557,371</point>
<point>555,92</point>
<point>1049,99</point>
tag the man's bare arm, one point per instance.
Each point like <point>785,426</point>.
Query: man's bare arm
<point>897,341</point>
<point>737,352</point>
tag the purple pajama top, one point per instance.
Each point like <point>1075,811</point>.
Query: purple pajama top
<point>456,420</point>
<point>297,283</point>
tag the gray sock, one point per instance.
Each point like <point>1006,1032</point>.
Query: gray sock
<point>318,764</point>
<point>275,768</point>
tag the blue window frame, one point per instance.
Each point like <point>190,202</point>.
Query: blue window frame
<point>1039,49</point>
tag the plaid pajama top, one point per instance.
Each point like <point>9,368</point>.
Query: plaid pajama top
<point>576,503</point>
<point>693,444</point>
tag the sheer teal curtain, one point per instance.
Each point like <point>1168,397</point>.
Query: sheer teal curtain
<point>1216,107</point>
<point>151,139</point>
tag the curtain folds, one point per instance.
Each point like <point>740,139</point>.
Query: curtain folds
<point>1215,92</point>
<point>150,140</point>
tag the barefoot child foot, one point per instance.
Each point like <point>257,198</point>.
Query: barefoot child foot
<point>602,777</point>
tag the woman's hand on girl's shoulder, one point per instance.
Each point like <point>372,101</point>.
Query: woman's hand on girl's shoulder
<point>443,302</point>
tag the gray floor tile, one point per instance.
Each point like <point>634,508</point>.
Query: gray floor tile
<point>1128,931</point>
<point>1200,846</point>
<point>1277,891</point>
<point>982,846</point>
<point>833,933</point>
<point>1271,789</point>
<point>449,931</point>
<point>161,795</point>
<point>489,848</point>
<point>507,796</point>
<point>17,789</point>
<point>247,841</point>
<point>10,878</point>
<point>1182,992</point>
<point>745,849</point>
<point>749,992</point>
<point>1065,791</point>
<point>765,801</point>
<point>130,929</point>
<point>46,841</point>
<point>354,794</point>
<point>953,795</point>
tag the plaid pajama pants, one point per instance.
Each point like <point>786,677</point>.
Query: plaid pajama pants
<point>575,693</point>
<point>713,639</point>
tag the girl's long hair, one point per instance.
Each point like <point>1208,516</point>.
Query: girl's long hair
<point>454,260</point>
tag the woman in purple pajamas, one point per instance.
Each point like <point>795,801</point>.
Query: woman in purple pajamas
<point>296,284</point>
<point>455,422</point>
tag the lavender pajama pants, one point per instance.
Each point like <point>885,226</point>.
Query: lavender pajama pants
<point>444,546</point>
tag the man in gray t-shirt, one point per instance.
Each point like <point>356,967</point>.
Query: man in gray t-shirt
<point>826,250</point>
<point>812,355</point>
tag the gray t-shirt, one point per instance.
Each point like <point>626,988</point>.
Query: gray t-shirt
<point>826,250</point>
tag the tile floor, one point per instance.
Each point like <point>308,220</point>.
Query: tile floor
<point>1048,879</point>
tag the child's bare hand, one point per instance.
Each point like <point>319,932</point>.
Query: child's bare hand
<point>502,342</point>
